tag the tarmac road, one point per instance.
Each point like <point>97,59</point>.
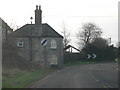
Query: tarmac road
<point>102,75</point>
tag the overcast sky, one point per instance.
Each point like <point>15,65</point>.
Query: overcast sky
<point>73,13</point>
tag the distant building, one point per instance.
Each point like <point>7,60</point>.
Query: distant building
<point>39,43</point>
<point>0,29</point>
<point>5,29</point>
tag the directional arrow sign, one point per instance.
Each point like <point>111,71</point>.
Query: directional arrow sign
<point>43,42</point>
<point>88,56</point>
<point>94,55</point>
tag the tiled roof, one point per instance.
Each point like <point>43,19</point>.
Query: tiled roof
<point>26,30</point>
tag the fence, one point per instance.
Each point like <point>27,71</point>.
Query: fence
<point>71,57</point>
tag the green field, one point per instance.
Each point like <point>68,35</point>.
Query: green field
<point>24,78</point>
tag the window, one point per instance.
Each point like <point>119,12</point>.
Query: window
<point>20,44</point>
<point>53,60</point>
<point>8,31</point>
<point>53,44</point>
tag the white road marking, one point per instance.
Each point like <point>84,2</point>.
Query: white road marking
<point>109,86</point>
<point>93,75</point>
<point>105,85</point>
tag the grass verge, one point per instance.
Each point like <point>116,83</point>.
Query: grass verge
<point>22,80</point>
<point>87,62</point>
<point>78,63</point>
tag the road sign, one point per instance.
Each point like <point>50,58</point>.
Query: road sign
<point>88,56</point>
<point>94,55</point>
<point>91,56</point>
<point>43,42</point>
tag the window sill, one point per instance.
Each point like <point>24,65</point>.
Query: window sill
<point>53,48</point>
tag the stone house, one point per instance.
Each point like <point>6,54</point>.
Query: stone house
<point>4,29</point>
<point>39,43</point>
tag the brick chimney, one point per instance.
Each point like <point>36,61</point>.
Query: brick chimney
<point>38,20</point>
<point>38,15</point>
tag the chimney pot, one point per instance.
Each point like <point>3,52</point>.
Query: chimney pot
<point>39,7</point>
<point>38,15</point>
<point>36,7</point>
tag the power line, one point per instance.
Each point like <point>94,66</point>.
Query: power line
<point>75,16</point>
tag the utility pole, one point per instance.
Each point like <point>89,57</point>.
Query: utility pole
<point>30,48</point>
<point>44,45</point>
<point>110,41</point>
<point>30,43</point>
<point>45,57</point>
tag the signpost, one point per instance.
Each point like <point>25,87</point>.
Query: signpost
<point>44,44</point>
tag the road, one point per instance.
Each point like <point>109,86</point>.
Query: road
<point>102,75</point>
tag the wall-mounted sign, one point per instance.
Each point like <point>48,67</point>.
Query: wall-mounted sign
<point>43,42</point>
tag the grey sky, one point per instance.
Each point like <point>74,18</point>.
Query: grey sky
<point>73,13</point>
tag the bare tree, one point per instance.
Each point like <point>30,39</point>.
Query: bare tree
<point>14,26</point>
<point>66,35</point>
<point>89,32</point>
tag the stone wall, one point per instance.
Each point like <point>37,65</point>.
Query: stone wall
<point>43,54</point>
<point>33,51</point>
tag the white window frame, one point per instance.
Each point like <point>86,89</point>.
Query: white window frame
<point>20,44</point>
<point>53,44</point>
<point>54,60</point>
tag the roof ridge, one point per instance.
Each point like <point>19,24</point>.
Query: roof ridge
<point>48,31</point>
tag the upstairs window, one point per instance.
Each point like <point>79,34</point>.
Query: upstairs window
<point>20,44</point>
<point>8,31</point>
<point>53,44</point>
